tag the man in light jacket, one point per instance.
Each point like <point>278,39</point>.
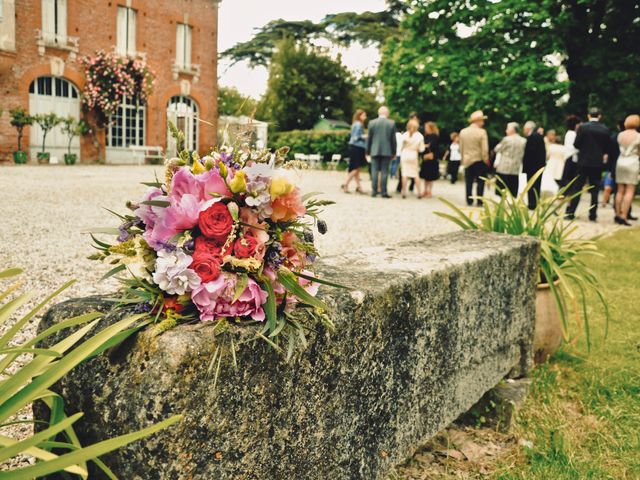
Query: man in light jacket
<point>511,150</point>
<point>381,146</point>
<point>474,148</point>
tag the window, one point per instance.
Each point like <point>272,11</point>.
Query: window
<point>183,46</point>
<point>182,111</point>
<point>126,126</point>
<point>53,87</point>
<point>54,21</point>
<point>126,34</point>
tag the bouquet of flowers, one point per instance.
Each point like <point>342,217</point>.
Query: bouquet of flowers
<point>226,239</point>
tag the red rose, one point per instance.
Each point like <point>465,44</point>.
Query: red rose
<point>245,246</point>
<point>206,266</point>
<point>206,246</point>
<point>216,222</point>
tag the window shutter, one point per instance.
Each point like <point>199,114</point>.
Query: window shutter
<point>48,20</point>
<point>187,46</point>
<point>180,45</point>
<point>121,33</point>
<point>131,25</point>
<point>61,27</point>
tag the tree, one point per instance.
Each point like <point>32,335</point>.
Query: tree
<point>232,102</point>
<point>305,85</point>
<point>366,28</point>
<point>20,119</point>
<point>454,56</point>
<point>499,67</point>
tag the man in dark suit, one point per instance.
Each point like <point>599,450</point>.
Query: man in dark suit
<point>535,158</point>
<point>593,141</point>
<point>381,146</point>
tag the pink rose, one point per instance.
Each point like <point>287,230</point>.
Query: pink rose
<point>214,299</point>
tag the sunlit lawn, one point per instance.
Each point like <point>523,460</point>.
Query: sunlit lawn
<point>583,413</point>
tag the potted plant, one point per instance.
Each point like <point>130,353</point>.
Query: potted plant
<point>73,128</point>
<point>563,277</point>
<point>46,121</point>
<point>20,119</point>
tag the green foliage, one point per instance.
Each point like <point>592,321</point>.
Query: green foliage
<point>32,381</point>
<point>74,128</point>
<point>232,102</point>
<point>501,67</point>
<point>46,121</point>
<point>456,56</point>
<point>20,119</point>
<point>562,255</point>
<point>312,141</point>
<point>305,85</point>
<point>366,28</point>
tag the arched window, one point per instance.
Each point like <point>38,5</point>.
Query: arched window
<point>126,126</point>
<point>53,87</point>
<point>183,112</point>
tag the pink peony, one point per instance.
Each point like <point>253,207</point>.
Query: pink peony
<point>147,213</point>
<point>202,186</point>
<point>214,299</point>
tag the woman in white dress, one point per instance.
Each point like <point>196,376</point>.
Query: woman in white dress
<point>412,146</point>
<point>627,168</point>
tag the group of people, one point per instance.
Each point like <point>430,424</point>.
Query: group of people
<point>589,149</point>
<point>413,156</point>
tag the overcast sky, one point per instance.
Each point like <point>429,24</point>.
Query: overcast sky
<point>239,18</point>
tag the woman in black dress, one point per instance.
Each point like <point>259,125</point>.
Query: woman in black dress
<point>430,169</point>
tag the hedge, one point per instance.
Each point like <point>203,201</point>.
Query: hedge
<point>311,142</point>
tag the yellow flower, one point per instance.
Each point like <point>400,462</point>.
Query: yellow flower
<point>197,168</point>
<point>251,264</point>
<point>281,186</point>
<point>223,169</point>
<point>239,182</point>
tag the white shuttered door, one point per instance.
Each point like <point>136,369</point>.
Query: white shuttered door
<point>59,96</point>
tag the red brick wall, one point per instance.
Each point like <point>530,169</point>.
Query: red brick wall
<point>94,22</point>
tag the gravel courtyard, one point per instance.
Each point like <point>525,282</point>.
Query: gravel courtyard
<point>47,211</point>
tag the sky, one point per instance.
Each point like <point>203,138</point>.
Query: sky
<point>239,18</point>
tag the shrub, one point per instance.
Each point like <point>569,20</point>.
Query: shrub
<point>311,142</point>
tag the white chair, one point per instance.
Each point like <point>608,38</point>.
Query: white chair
<point>335,160</point>
<point>314,160</point>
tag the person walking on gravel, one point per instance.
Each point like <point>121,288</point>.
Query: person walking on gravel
<point>381,146</point>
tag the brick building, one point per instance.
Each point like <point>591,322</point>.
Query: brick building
<point>42,41</point>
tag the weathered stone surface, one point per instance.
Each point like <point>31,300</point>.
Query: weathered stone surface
<point>431,327</point>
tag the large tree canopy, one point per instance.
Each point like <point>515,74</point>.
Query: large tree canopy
<point>367,28</point>
<point>305,85</point>
<point>455,56</point>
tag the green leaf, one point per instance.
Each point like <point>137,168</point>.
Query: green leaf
<point>320,280</point>
<point>105,231</point>
<point>113,271</point>
<point>241,285</point>
<point>270,305</point>
<point>10,272</point>
<point>290,283</point>
<point>84,454</point>
<point>156,203</point>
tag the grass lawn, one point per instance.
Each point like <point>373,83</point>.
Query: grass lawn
<point>583,413</point>
<point>582,417</point>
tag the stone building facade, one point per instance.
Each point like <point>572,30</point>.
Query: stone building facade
<point>42,42</point>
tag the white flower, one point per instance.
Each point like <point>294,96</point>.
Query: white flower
<point>259,170</point>
<point>173,274</point>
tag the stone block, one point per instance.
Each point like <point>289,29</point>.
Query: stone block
<point>430,327</point>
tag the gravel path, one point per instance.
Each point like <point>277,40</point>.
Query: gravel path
<point>46,211</point>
